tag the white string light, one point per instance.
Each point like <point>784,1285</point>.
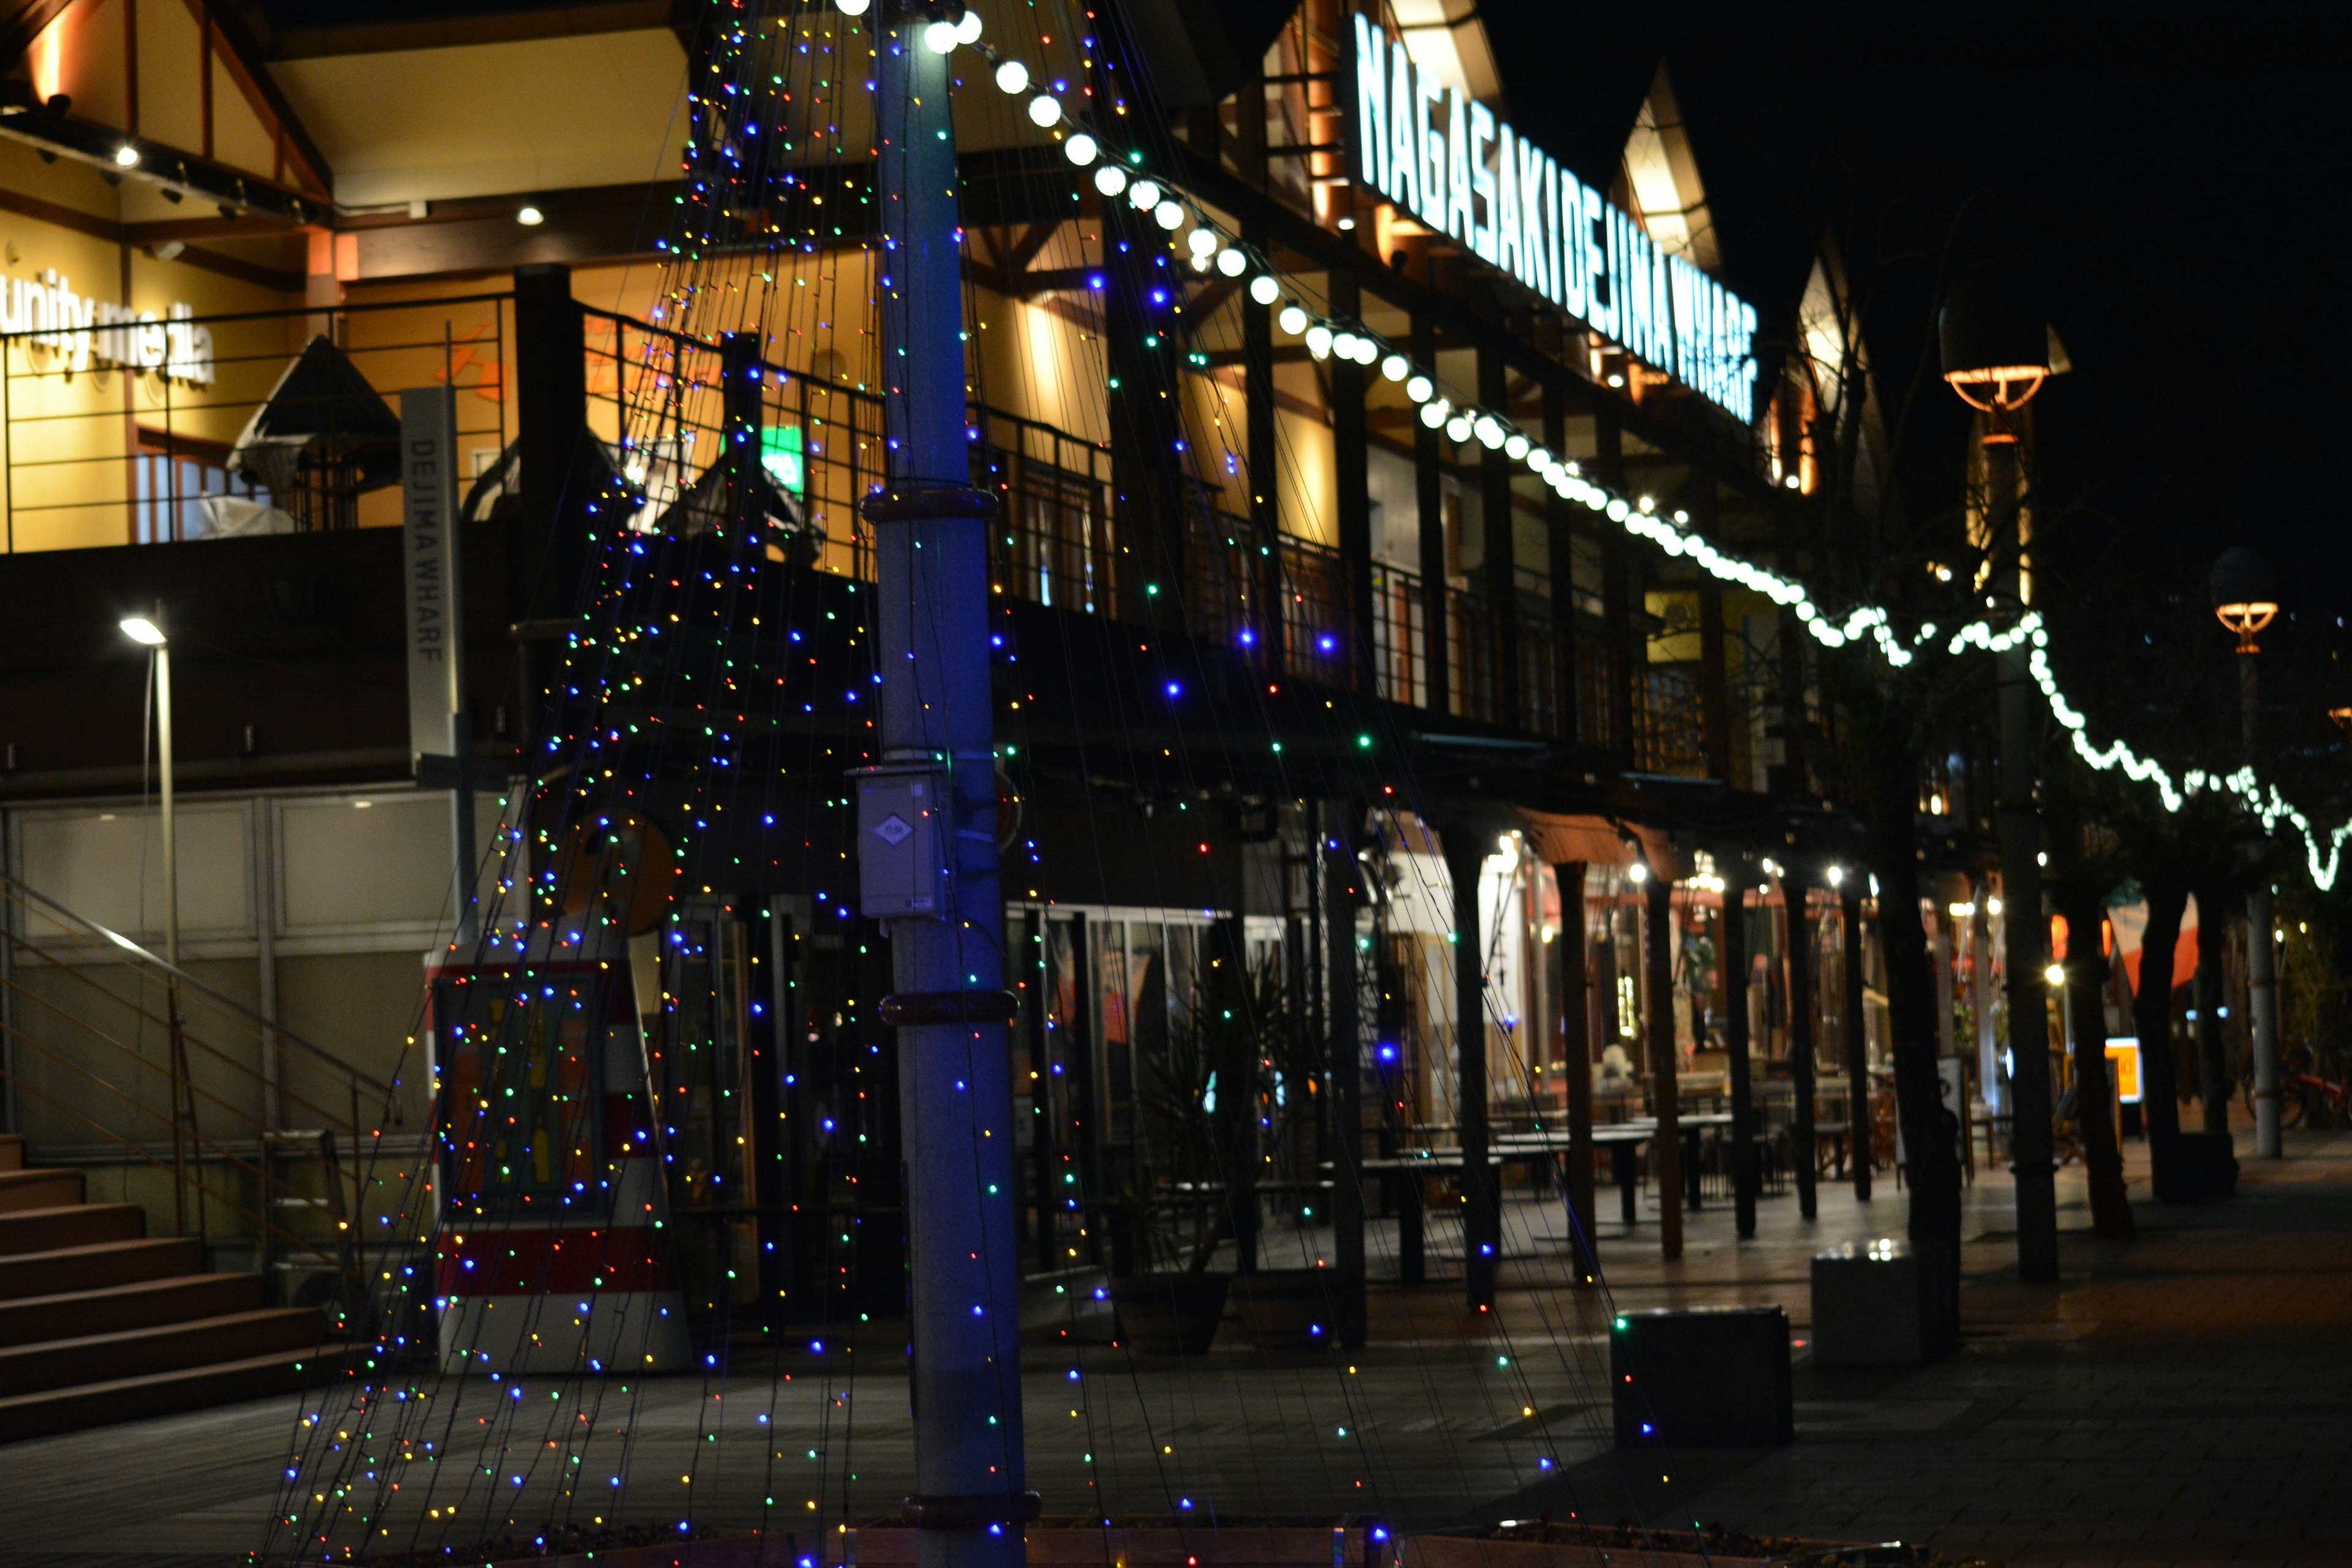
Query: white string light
<point>1324,336</point>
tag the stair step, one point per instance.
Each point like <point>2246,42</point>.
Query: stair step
<point>111,1309</point>
<point>21,1190</point>
<point>71,1408</point>
<point>167,1347</point>
<point>71,1225</point>
<point>95,1267</point>
<point>12,1151</point>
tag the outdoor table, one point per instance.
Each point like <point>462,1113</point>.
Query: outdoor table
<point>1403,1173</point>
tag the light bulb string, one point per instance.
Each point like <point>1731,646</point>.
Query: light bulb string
<point>1326,333</point>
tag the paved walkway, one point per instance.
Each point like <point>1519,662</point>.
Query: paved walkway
<point>2180,1399</point>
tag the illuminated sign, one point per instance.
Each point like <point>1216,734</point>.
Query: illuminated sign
<point>1445,161</point>
<point>84,331</point>
<point>2123,1061</point>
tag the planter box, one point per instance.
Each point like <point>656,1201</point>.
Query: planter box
<point>1702,1378</point>
<point>1170,1314</point>
<point>1294,1309</point>
<point>1866,1306</point>
<point>2195,1168</point>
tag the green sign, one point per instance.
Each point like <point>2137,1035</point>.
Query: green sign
<point>780,454</point>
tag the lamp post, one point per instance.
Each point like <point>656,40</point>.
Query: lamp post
<point>1996,355</point>
<point>147,631</point>
<point>144,631</point>
<point>2245,600</point>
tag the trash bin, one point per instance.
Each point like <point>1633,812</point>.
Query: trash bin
<point>1867,1305</point>
<point>1702,1378</point>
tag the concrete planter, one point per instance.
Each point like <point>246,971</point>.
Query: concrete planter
<point>1170,1314</point>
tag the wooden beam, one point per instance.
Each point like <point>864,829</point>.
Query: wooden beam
<point>1026,248</point>
<point>245,66</point>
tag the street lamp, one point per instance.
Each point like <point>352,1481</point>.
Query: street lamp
<point>2246,600</point>
<point>1996,350</point>
<point>147,631</point>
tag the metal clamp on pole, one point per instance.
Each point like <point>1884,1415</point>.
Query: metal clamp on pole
<point>971,1513</point>
<point>929,503</point>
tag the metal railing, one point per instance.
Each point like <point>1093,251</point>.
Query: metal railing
<point>96,1057</point>
<point>1400,636</point>
<point>145,432</point>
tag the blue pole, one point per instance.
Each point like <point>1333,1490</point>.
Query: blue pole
<point>950,1005</point>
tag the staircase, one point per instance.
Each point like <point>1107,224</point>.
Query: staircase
<point>101,1323</point>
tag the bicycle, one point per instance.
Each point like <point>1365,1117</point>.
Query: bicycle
<point>2303,1092</point>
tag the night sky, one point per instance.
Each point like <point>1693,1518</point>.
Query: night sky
<point>2165,177</point>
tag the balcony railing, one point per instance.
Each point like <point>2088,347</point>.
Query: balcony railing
<point>143,432</point>
<point>286,421</point>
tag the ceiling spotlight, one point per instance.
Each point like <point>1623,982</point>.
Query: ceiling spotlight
<point>127,157</point>
<point>529,215</point>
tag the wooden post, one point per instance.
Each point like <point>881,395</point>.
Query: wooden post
<point>1576,1061</point>
<point>1560,538</point>
<point>1499,563</point>
<point>1857,1045</point>
<point>1798,898</point>
<point>1665,1148</point>
<point>1617,594</point>
<point>1734,1041</point>
<point>1352,497</point>
<point>1466,853</point>
<point>1429,504</point>
<point>1342,892</point>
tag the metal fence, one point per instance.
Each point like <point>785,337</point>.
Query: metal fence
<point>139,432</point>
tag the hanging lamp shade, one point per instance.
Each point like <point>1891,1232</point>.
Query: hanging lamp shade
<point>2245,593</point>
<point>1995,340</point>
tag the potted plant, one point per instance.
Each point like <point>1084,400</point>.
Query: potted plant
<point>1165,1228</point>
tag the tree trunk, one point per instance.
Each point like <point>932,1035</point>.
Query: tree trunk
<point>2086,977</point>
<point>2212,1053</point>
<point>2168,899</point>
<point>1931,1133</point>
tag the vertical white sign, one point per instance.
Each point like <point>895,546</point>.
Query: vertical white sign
<point>429,555</point>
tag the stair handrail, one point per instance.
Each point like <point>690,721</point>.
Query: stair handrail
<point>342,1257</point>
<point>230,1003</point>
<point>26,944</point>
